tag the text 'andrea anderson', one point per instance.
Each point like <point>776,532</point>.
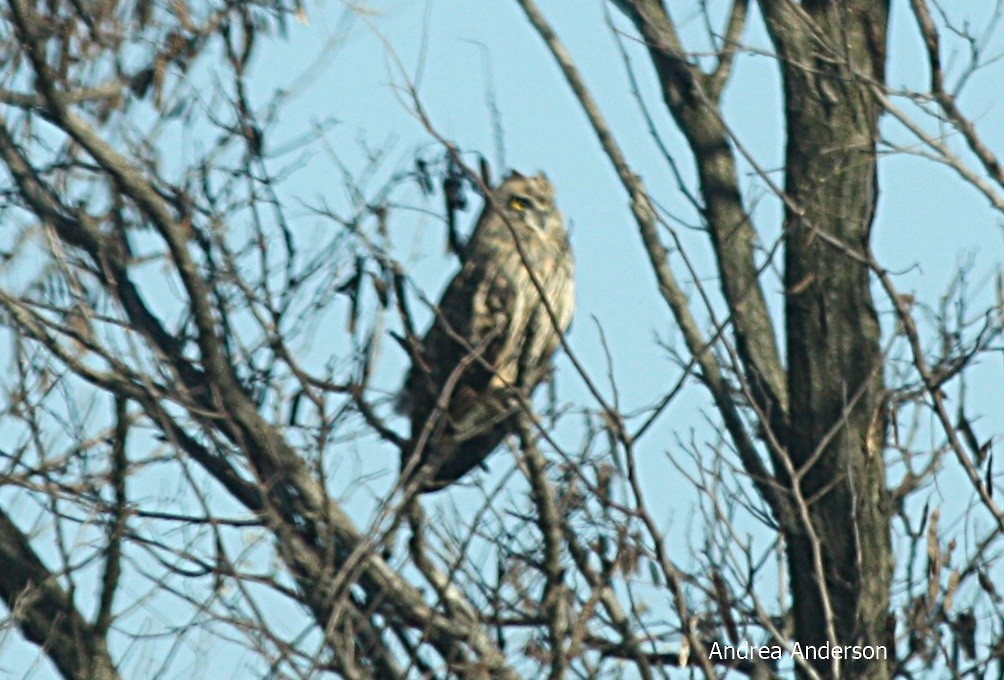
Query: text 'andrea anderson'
<point>745,650</point>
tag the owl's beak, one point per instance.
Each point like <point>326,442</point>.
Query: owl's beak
<point>540,219</point>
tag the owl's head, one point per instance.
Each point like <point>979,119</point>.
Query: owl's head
<point>529,200</point>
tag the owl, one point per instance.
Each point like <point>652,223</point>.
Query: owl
<point>492,339</point>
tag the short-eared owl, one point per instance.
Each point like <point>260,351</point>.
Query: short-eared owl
<point>492,339</point>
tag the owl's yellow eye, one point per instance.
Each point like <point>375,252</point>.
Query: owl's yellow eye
<point>518,204</point>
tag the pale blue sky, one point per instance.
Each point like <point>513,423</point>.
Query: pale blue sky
<point>928,222</point>
<point>928,219</point>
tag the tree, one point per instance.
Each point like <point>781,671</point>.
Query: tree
<point>200,443</point>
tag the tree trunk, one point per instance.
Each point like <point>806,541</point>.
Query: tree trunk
<point>831,55</point>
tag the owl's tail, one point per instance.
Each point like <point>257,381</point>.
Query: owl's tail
<point>455,448</point>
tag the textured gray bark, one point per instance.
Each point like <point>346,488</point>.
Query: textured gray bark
<point>831,53</point>
<point>48,616</point>
<point>827,424</point>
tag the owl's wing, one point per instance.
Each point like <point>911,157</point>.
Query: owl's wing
<point>466,347</point>
<point>473,326</point>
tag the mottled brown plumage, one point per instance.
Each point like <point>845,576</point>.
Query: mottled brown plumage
<point>492,335</point>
